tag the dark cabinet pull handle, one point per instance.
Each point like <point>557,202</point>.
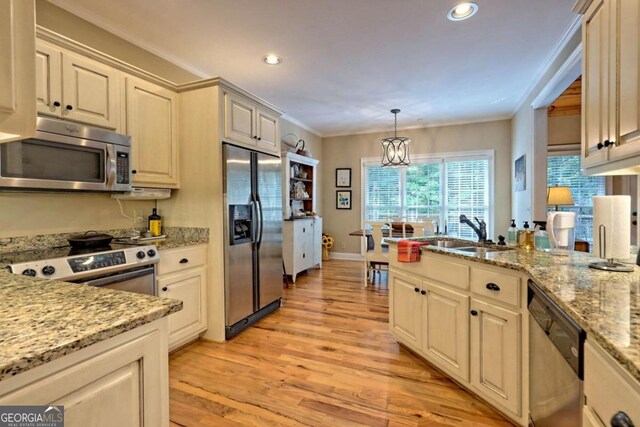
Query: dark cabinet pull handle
<point>134,171</point>
<point>165,289</point>
<point>608,143</point>
<point>423,292</point>
<point>56,103</point>
<point>304,255</point>
<point>69,107</point>
<point>600,146</point>
<point>259,138</point>
<point>184,261</point>
<point>255,136</point>
<point>474,313</point>
<point>620,419</point>
<point>493,287</point>
<point>416,289</point>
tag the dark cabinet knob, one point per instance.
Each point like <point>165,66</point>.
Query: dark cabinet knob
<point>255,136</point>
<point>600,146</point>
<point>423,292</point>
<point>69,107</point>
<point>474,313</point>
<point>165,289</point>
<point>493,287</point>
<point>183,261</point>
<point>608,143</point>
<point>134,171</point>
<point>416,289</point>
<point>620,419</point>
<point>56,103</point>
<point>259,138</point>
<point>304,255</point>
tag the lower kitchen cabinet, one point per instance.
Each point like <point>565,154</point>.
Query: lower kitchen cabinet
<point>121,381</point>
<point>184,279</point>
<point>405,302</point>
<point>495,354</point>
<point>301,245</point>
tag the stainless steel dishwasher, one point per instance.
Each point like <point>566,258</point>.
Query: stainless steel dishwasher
<point>556,364</point>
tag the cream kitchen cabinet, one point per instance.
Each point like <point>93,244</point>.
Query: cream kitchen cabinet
<point>119,381</point>
<point>301,245</point>
<point>17,70</point>
<point>73,87</point>
<point>249,124</point>
<point>611,94</point>
<point>182,276</point>
<point>151,121</point>
<point>467,319</point>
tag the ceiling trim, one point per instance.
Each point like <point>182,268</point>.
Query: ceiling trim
<point>434,125</point>
<point>566,74</point>
<point>302,125</point>
<point>100,22</point>
<point>575,26</point>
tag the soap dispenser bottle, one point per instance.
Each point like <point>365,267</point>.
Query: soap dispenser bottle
<point>512,234</point>
<point>525,237</point>
<point>540,237</point>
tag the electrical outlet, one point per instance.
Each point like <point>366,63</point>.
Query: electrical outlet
<point>138,217</point>
<point>343,245</point>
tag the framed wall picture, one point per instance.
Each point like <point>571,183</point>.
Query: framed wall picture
<point>521,174</point>
<point>343,199</point>
<point>343,177</point>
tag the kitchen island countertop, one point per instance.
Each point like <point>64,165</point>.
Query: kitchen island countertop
<point>605,304</point>
<point>43,320</point>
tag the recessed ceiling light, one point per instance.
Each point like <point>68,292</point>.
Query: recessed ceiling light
<point>462,11</point>
<point>272,60</point>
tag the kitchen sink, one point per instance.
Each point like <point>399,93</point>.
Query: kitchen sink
<point>452,244</point>
<point>480,250</point>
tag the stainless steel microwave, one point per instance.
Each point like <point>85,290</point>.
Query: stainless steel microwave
<point>67,157</point>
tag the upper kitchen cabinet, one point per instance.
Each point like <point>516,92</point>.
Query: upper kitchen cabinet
<point>611,96</point>
<point>151,121</point>
<point>72,87</point>
<point>17,70</point>
<point>249,124</point>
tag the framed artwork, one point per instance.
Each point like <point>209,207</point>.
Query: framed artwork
<point>343,177</point>
<point>343,199</point>
<point>521,174</point>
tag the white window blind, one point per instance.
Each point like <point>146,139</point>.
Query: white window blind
<point>382,193</point>
<point>567,171</point>
<point>467,188</point>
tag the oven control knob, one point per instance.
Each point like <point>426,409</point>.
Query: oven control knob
<point>29,272</point>
<point>151,253</point>
<point>48,270</point>
<point>140,255</point>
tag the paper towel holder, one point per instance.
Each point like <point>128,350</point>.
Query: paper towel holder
<point>609,264</point>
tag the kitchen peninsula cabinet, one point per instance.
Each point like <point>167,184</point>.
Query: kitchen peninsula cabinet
<point>151,121</point>
<point>17,70</point>
<point>73,87</point>
<point>301,245</point>
<point>182,276</point>
<point>611,80</point>
<point>249,124</point>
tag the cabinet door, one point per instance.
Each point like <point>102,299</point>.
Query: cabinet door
<point>48,80</point>
<point>445,329</point>
<point>152,124</point>
<point>596,80</point>
<point>627,36</point>
<point>267,130</point>
<point>317,241</point>
<point>495,354</point>
<point>89,91</point>
<point>590,419</point>
<point>17,70</point>
<point>239,119</point>
<point>405,308</point>
<point>191,320</point>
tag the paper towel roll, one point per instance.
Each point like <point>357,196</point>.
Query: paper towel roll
<point>614,213</point>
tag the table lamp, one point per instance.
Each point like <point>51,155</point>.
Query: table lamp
<point>559,196</point>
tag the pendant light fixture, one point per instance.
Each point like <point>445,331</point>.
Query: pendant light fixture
<point>395,151</point>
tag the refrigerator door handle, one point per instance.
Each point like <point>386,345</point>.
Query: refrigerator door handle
<point>254,220</point>
<point>261,222</point>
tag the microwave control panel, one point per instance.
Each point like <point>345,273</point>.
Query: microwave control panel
<point>122,167</point>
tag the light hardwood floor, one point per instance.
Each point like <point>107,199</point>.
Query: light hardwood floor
<point>326,358</point>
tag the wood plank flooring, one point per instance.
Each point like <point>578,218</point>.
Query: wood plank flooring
<point>326,358</point>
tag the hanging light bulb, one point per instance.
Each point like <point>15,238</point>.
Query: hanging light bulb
<point>395,151</point>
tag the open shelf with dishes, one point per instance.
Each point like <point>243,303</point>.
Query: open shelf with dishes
<point>299,194</point>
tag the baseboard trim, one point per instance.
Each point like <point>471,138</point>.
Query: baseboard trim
<point>347,256</point>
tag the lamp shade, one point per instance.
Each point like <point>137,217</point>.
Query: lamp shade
<point>559,196</point>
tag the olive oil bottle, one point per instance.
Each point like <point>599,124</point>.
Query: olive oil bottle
<point>155,223</point>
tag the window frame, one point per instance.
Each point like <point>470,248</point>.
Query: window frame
<point>441,158</point>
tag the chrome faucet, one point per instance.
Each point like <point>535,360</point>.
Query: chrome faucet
<point>480,231</point>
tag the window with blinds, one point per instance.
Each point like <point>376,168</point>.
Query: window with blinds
<point>567,171</point>
<point>443,187</point>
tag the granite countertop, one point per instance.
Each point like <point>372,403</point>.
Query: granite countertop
<point>605,304</point>
<point>43,320</point>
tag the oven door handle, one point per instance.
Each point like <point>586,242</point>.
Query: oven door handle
<point>109,280</point>
<point>112,166</point>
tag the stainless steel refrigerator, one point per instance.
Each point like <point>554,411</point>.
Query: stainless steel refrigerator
<point>253,237</point>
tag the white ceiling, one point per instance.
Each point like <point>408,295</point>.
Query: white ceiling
<point>348,62</point>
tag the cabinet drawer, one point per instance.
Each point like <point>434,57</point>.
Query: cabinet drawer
<point>440,269</point>
<point>496,286</point>
<point>172,260</point>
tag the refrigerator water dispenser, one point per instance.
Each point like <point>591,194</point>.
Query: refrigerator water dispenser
<point>240,230</point>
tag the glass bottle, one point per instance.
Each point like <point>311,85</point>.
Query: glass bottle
<point>512,234</point>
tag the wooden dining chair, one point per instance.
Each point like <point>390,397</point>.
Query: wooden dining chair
<point>376,258</point>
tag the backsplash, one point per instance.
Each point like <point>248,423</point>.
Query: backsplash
<point>21,243</point>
